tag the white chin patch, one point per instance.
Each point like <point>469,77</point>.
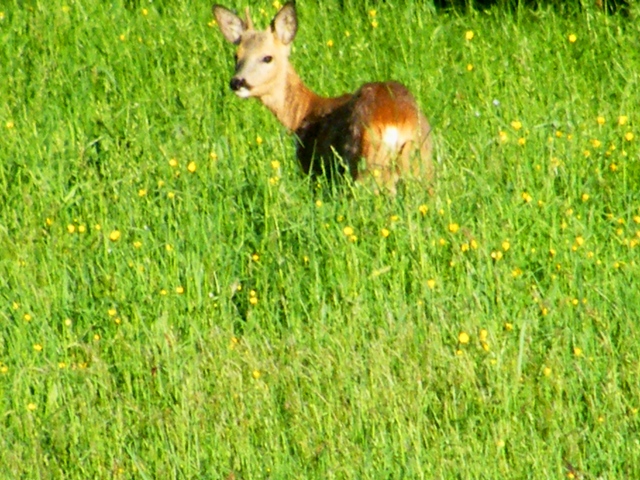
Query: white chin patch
<point>243,92</point>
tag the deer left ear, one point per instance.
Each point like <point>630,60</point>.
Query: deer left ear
<point>231,26</point>
<point>285,24</point>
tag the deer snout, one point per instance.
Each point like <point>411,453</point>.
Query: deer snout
<point>238,83</point>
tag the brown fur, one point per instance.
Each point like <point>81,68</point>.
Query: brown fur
<point>380,123</point>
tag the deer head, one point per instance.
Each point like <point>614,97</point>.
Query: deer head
<point>262,57</point>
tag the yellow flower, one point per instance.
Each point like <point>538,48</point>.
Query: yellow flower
<point>96,337</point>
<point>572,38</point>
<point>348,231</point>
<point>517,125</point>
<point>259,140</point>
<point>496,255</point>
<point>275,164</point>
<point>579,240</point>
<point>622,120</point>
<point>37,347</point>
<point>115,235</point>
<point>385,232</point>
<point>145,12</point>
<point>192,167</point>
<point>585,197</point>
<point>318,203</point>
<point>122,37</point>
<point>464,247</point>
<point>469,67</point>
<point>256,374</point>
<point>329,43</point>
<point>255,257</point>
<point>629,136</point>
<point>374,24</point>
<point>31,406</point>
<point>546,371</point>
<point>1,16</point>
<point>515,273</point>
<point>97,227</point>
<point>277,5</point>
<point>469,35</point>
<point>506,245</point>
<point>112,312</point>
<point>423,209</point>
<point>503,137</point>
<point>577,351</point>
<point>600,120</point>
<point>613,167</point>
<point>526,197</point>
<point>474,244</point>
<point>484,334</point>
<point>454,227</point>
<point>596,143</point>
<point>372,13</point>
<point>163,292</point>
<point>168,247</point>
<point>431,283</point>
<point>522,141</point>
<point>508,326</point>
<point>82,228</point>
<point>463,338</point>
<point>171,195</point>
<point>137,244</point>
<point>71,228</point>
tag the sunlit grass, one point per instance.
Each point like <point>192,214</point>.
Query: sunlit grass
<point>177,300</point>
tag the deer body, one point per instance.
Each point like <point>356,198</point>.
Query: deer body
<point>380,123</point>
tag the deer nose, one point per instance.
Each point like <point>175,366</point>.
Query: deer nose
<point>238,83</point>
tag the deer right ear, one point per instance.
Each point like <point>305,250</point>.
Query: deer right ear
<point>231,26</point>
<point>285,24</point>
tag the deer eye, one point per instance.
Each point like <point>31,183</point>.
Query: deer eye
<point>267,59</point>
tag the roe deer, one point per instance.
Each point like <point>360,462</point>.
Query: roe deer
<point>380,123</point>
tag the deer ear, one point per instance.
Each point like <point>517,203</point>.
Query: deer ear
<point>231,26</point>
<point>285,24</point>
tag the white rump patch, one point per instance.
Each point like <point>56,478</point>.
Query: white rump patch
<point>390,137</point>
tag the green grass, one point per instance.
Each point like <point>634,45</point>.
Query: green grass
<point>350,363</point>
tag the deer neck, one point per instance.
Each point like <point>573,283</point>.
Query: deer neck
<point>292,101</point>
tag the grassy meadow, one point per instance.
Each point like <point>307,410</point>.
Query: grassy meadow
<point>178,301</point>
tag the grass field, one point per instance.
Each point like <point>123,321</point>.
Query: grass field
<point>178,301</point>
